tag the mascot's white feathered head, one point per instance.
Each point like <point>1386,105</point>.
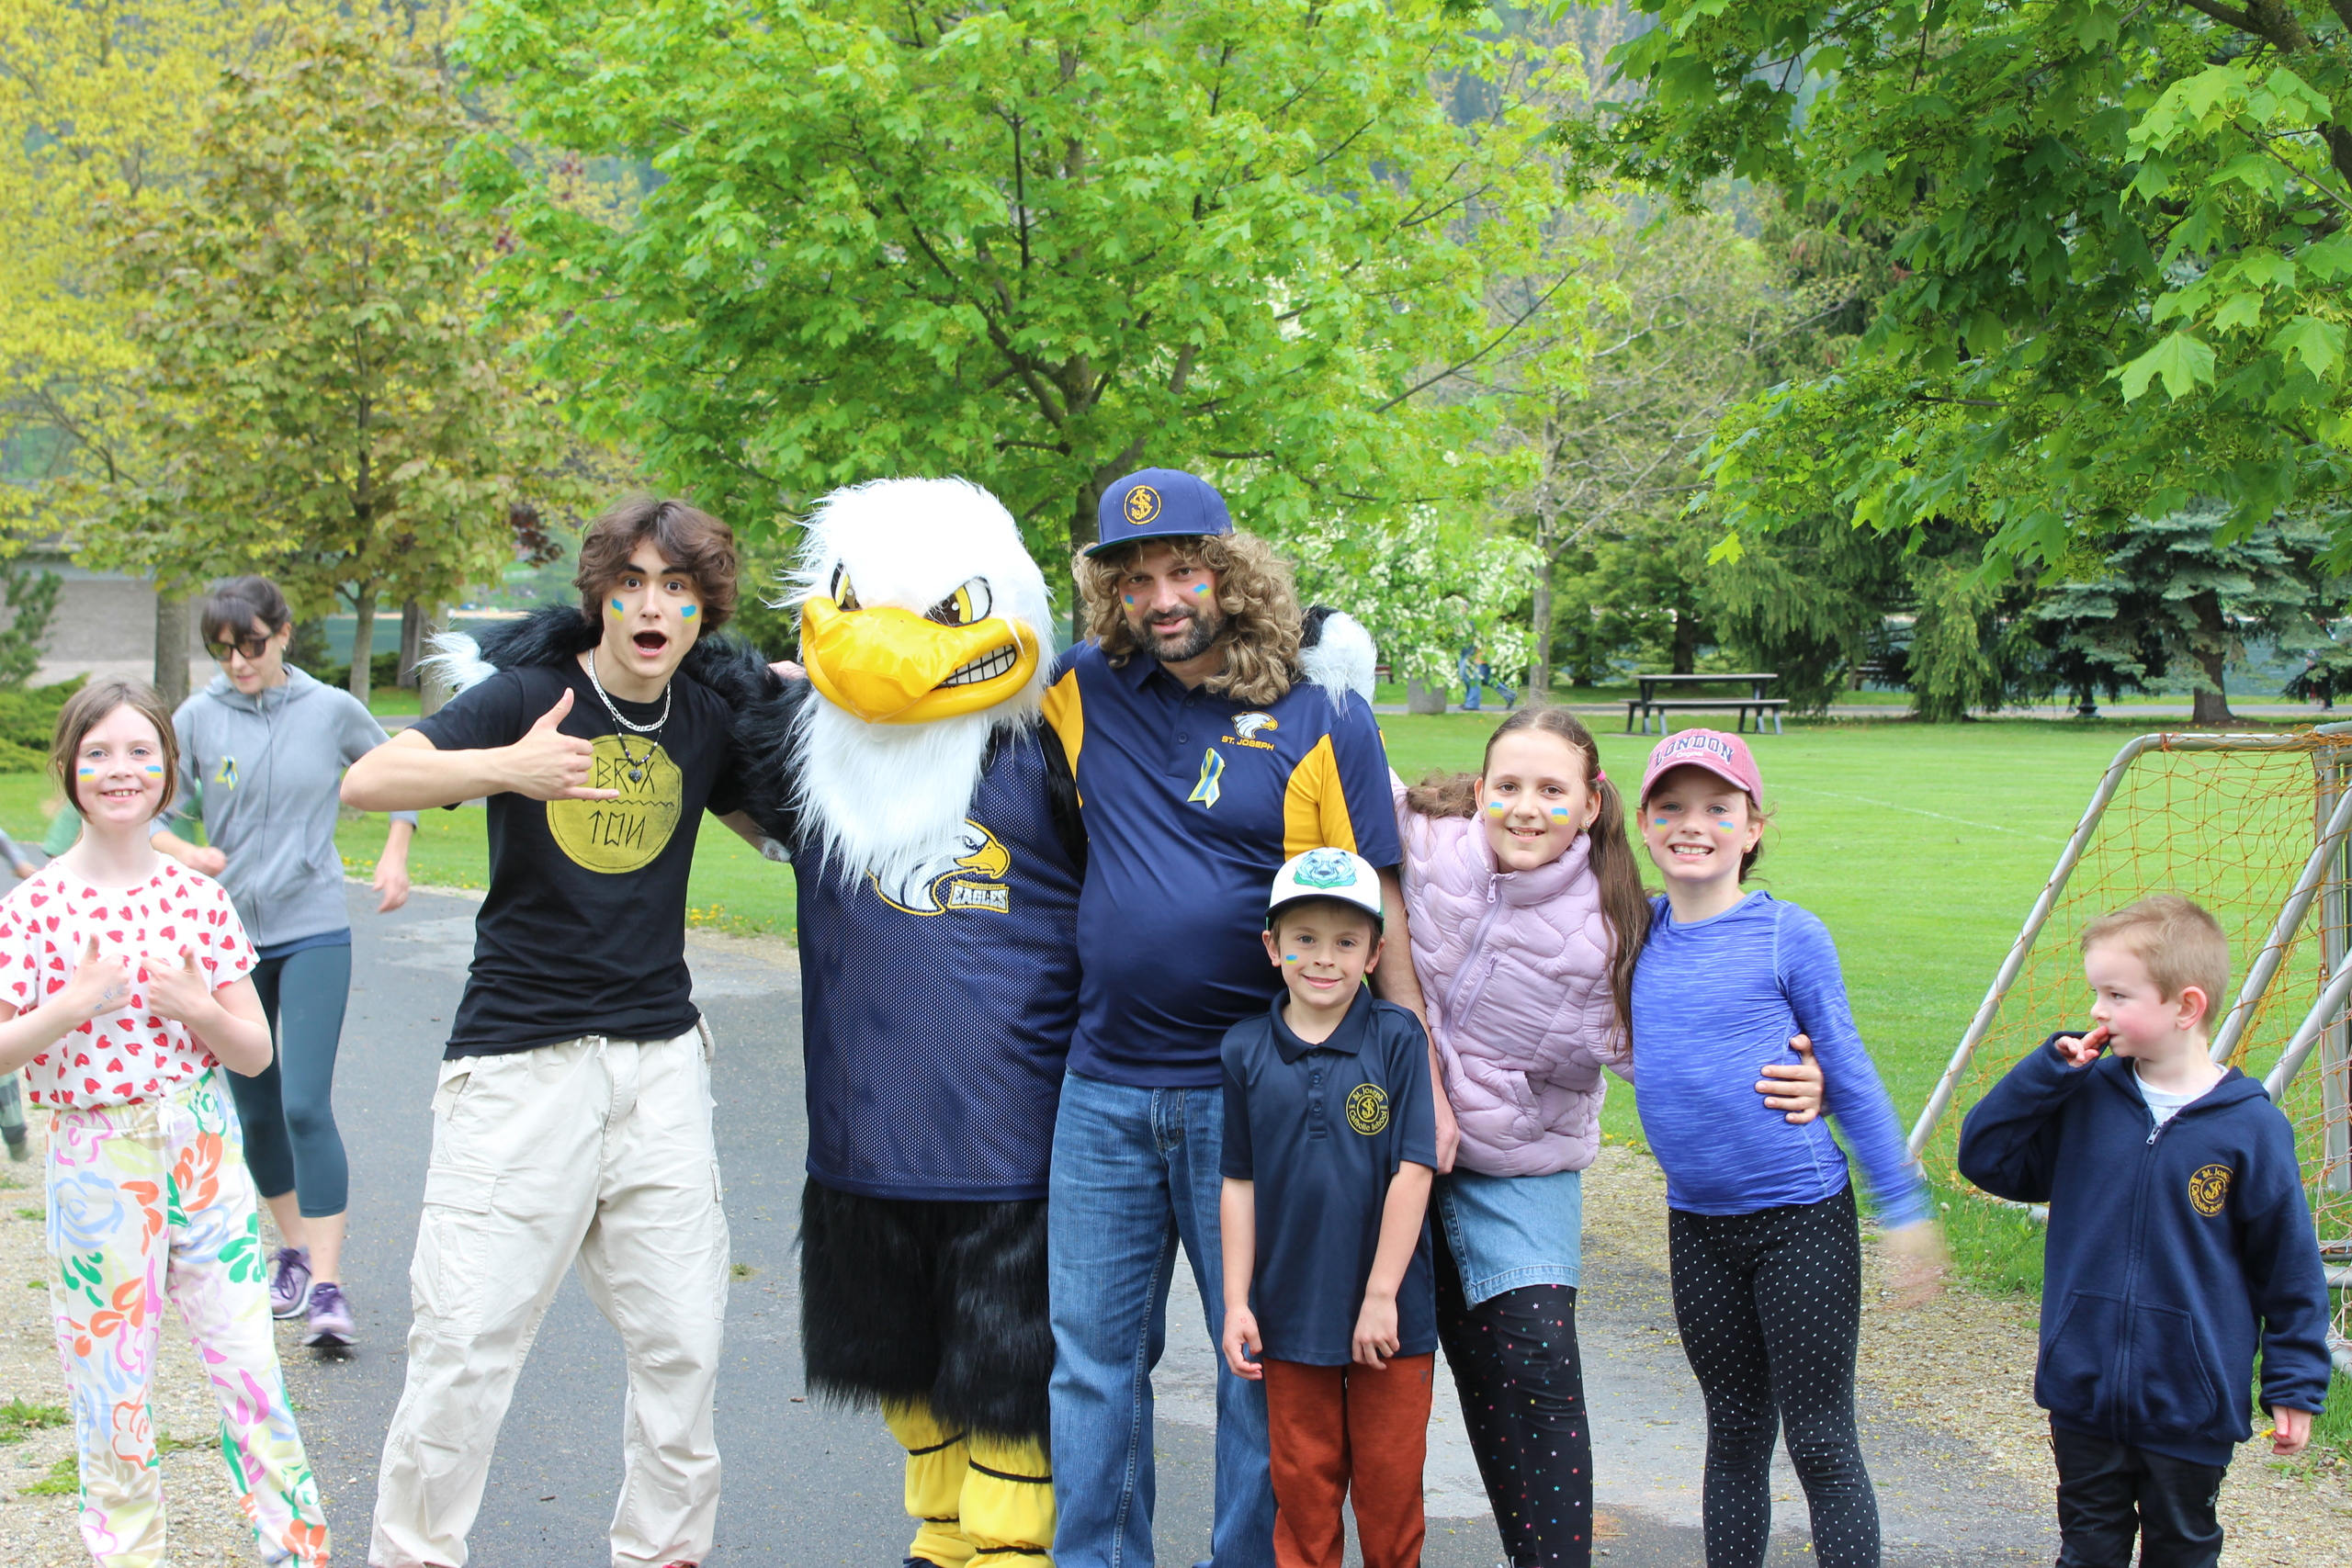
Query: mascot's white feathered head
<point>924,630</point>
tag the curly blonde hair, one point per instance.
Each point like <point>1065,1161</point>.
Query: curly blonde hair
<point>1253,589</point>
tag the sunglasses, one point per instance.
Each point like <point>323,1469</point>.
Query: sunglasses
<point>250,647</point>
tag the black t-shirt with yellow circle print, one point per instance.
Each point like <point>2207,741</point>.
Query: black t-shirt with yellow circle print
<point>583,931</point>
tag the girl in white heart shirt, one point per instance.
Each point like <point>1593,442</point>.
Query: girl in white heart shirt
<point>122,992</point>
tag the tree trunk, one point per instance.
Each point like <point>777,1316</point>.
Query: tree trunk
<point>412,636</point>
<point>2210,650</point>
<point>1539,671</point>
<point>363,642</point>
<point>1686,643</point>
<point>1082,533</point>
<point>172,618</point>
<point>433,692</point>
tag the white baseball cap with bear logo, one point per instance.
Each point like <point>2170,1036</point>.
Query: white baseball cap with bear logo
<point>1327,873</point>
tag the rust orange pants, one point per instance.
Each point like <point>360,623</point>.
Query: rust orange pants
<point>1333,1430</point>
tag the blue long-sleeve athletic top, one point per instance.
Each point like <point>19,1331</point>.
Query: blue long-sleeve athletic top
<point>1716,1000</point>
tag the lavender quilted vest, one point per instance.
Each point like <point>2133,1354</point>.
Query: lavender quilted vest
<point>1514,967</point>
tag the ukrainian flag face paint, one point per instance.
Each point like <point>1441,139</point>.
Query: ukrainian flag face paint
<point>1697,828</point>
<point>118,769</point>
<point>1539,798</point>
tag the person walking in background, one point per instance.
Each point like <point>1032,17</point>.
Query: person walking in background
<point>126,993</point>
<point>264,747</point>
<point>1528,916</point>
<point>1330,1143</point>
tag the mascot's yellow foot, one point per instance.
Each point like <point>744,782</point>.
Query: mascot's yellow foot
<point>936,1466</point>
<point>981,1500</point>
<point>1007,1503</point>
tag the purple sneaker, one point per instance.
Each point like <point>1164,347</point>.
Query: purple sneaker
<point>289,1281</point>
<point>330,1316</point>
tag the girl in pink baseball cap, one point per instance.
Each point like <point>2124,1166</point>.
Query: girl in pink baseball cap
<point>1761,1225</point>
<point>1526,914</point>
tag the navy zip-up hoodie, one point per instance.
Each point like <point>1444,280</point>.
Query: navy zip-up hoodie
<point>2172,1250</point>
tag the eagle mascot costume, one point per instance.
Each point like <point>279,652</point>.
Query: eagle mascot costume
<point>932,821</point>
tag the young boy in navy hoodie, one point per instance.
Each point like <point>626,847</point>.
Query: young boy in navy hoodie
<point>2178,1239</point>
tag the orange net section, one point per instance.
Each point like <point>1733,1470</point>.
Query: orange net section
<point>2234,829</point>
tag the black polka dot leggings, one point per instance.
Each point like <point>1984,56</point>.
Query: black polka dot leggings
<point>1515,1368</point>
<point>1769,1307</point>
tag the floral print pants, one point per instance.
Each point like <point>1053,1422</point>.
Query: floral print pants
<point>149,1201</point>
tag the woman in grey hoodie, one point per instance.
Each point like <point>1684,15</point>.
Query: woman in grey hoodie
<point>264,747</point>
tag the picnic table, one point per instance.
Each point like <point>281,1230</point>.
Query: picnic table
<point>1650,705</point>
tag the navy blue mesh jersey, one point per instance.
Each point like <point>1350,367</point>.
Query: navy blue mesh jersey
<point>937,1012</point>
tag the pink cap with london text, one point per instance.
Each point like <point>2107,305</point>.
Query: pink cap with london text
<point>1726,756</point>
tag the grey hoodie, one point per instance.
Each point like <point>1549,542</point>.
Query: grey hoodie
<point>266,769</point>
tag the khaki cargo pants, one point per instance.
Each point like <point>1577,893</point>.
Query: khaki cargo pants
<point>594,1150</point>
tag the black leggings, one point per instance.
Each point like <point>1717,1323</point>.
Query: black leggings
<point>1515,1369</point>
<point>1769,1307</point>
<point>288,1109</point>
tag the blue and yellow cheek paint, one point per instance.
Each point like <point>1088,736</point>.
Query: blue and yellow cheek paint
<point>1199,588</point>
<point>1497,808</point>
<point>618,608</point>
<point>687,611</point>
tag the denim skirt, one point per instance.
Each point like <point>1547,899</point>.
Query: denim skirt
<point>1510,1231</point>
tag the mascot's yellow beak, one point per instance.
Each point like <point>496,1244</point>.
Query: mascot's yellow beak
<point>890,666</point>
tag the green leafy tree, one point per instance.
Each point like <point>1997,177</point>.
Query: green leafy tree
<point>1037,243</point>
<point>1610,408</point>
<point>1425,588</point>
<point>327,402</point>
<point>2121,238</point>
<point>2193,601</point>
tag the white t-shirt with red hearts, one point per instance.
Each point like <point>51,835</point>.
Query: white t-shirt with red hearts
<point>133,1055</point>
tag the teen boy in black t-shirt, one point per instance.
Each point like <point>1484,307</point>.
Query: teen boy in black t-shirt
<point>573,1116</point>
<point>1331,1146</point>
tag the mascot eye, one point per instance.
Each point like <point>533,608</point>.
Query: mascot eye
<point>844,595</point>
<point>968,603</point>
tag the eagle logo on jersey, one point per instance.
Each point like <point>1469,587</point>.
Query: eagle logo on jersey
<point>967,874</point>
<point>1248,724</point>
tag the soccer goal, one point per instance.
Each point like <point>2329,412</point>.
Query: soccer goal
<point>2255,827</point>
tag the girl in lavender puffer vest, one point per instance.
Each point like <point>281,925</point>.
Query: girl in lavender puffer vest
<point>1526,913</point>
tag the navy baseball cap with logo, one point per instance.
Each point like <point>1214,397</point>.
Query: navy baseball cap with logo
<point>1157,503</point>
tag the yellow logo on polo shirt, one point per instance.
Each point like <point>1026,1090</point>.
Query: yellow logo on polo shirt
<point>1142,505</point>
<point>1246,728</point>
<point>2209,1188</point>
<point>1368,1108</point>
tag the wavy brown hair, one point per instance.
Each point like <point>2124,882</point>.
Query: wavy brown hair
<point>1253,589</point>
<point>1624,904</point>
<point>688,538</point>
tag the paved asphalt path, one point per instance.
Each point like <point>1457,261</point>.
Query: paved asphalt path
<point>808,1486</point>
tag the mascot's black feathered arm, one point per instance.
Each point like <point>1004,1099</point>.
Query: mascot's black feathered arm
<point>764,705</point>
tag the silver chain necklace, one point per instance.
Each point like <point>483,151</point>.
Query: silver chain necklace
<point>637,765</point>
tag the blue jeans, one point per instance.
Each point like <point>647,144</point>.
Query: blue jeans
<point>1135,1170</point>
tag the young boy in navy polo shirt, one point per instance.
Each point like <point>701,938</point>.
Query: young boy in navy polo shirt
<point>1331,1146</point>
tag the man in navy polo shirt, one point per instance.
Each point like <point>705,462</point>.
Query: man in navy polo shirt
<point>1203,761</point>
